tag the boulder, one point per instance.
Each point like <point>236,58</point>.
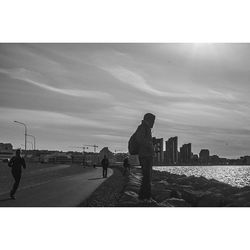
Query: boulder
<point>212,200</point>
<point>165,204</point>
<point>160,185</point>
<point>192,196</point>
<point>161,195</point>
<point>133,188</point>
<point>176,194</point>
<point>239,203</point>
<point>148,203</point>
<point>129,198</point>
<point>245,195</point>
<point>175,202</point>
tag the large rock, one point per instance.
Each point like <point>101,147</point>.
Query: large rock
<point>161,195</point>
<point>160,185</point>
<point>239,203</point>
<point>176,194</point>
<point>245,195</point>
<point>192,196</point>
<point>129,199</point>
<point>175,202</point>
<point>148,203</point>
<point>212,200</point>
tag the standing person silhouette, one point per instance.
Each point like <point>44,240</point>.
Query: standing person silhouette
<point>126,166</point>
<point>105,165</point>
<point>16,163</point>
<point>146,152</point>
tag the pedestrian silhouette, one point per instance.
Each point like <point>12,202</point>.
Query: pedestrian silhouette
<point>141,143</point>
<point>16,163</point>
<point>105,165</point>
<point>126,166</point>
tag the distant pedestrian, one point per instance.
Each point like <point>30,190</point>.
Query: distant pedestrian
<point>141,143</point>
<point>16,163</point>
<point>126,166</point>
<point>105,165</point>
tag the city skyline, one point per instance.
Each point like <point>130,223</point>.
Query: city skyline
<point>76,94</point>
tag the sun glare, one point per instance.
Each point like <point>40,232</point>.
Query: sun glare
<point>204,50</point>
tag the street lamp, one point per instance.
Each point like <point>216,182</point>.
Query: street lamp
<point>34,138</point>
<point>25,134</point>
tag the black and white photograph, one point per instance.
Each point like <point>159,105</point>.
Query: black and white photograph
<point>125,125</point>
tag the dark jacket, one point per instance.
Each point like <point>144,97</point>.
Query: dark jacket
<point>126,163</point>
<point>16,163</point>
<point>145,141</point>
<point>105,163</point>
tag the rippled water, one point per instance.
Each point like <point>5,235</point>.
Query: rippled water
<point>234,175</point>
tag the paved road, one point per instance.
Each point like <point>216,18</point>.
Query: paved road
<point>67,191</point>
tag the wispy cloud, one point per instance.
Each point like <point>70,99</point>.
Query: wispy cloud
<point>25,75</point>
<point>46,118</point>
<point>136,80</point>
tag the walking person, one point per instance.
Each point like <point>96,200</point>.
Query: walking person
<point>126,166</point>
<point>16,163</point>
<point>141,144</point>
<point>105,165</point>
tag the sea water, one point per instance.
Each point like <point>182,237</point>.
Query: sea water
<point>238,176</point>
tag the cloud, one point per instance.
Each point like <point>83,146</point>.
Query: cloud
<point>25,75</point>
<point>137,81</point>
<point>46,118</point>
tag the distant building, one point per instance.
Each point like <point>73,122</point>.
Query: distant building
<point>171,155</point>
<point>214,160</point>
<point>119,157</point>
<point>158,151</point>
<point>91,158</point>
<point>185,154</point>
<point>245,160</point>
<point>6,151</point>
<point>77,157</point>
<point>108,153</point>
<point>57,158</point>
<point>204,156</point>
<point>195,159</point>
<point>6,147</point>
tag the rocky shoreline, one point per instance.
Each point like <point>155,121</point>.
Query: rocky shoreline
<point>171,190</point>
<point>109,192</point>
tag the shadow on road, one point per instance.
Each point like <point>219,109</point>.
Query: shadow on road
<point>95,178</point>
<point>5,199</point>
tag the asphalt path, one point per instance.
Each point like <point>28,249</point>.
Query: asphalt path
<point>68,191</point>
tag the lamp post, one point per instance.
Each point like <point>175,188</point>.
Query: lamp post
<point>25,134</point>
<point>34,138</point>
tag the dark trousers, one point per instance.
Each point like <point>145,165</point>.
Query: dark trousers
<point>145,189</point>
<point>17,176</point>
<point>104,172</point>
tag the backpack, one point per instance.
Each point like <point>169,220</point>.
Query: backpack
<point>133,145</point>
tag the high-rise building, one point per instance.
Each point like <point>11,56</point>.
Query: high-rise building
<point>158,150</point>
<point>185,154</point>
<point>172,151</point>
<point>204,156</point>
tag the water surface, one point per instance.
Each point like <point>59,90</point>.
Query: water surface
<point>234,175</point>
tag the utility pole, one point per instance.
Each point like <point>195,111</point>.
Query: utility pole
<point>34,139</point>
<point>25,135</point>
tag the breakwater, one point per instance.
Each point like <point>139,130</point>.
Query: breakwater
<point>172,190</point>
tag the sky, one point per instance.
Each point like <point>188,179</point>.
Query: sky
<point>71,95</point>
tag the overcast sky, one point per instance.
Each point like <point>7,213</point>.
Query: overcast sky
<point>75,94</point>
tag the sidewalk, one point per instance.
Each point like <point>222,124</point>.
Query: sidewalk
<point>67,191</point>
